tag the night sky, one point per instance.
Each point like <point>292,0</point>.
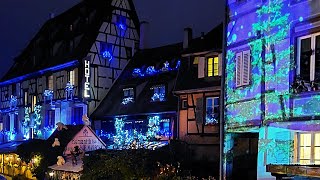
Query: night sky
<point>20,20</point>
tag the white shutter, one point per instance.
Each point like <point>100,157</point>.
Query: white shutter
<point>238,69</point>
<point>201,66</point>
<point>220,64</point>
<point>246,68</point>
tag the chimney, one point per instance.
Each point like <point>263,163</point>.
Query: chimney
<point>51,15</point>
<point>187,37</point>
<point>144,29</point>
<point>202,35</point>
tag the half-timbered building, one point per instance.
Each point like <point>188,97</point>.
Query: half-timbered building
<point>198,89</point>
<point>67,68</point>
<point>143,95</point>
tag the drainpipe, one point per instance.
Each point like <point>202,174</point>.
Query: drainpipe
<point>222,94</point>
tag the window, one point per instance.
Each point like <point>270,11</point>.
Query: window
<point>14,89</point>
<point>16,122</point>
<point>308,60</point>
<point>128,96</point>
<point>25,98</point>
<point>50,118</point>
<point>213,67</point>
<point>159,93</point>
<point>212,110</point>
<point>72,77</point>
<point>208,67</point>
<point>50,82</point>
<point>184,104</point>
<point>128,92</point>
<point>34,102</point>
<point>309,148</point>
<point>243,68</point>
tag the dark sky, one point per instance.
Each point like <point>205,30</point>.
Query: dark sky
<point>21,19</point>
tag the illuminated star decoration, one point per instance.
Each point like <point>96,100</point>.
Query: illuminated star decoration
<point>137,72</point>
<point>165,67</point>
<point>151,71</point>
<point>106,54</point>
<point>127,100</point>
<point>158,97</point>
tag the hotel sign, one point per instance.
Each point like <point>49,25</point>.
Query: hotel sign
<point>87,78</point>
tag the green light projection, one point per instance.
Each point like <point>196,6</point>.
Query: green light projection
<point>270,66</point>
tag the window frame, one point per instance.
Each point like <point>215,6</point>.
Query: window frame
<point>182,105</point>
<point>128,89</point>
<point>72,77</point>
<point>214,105</point>
<point>158,87</point>
<point>50,78</point>
<point>312,147</point>
<point>312,57</point>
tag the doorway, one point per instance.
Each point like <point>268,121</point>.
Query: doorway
<point>245,153</point>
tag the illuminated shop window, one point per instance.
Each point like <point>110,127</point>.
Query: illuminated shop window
<point>243,68</point>
<point>309,148</point>
<point>308,57</point>
<point>159,93</point>
<point>212,110</point>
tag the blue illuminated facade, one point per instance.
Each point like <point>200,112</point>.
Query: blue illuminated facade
<point>271,85</point>
<point>54,79</point>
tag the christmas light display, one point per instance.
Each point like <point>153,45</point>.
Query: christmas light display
<point>13,102</point>
<point>151,71</point>
<point>48,93</point>
<point>127,100</point>
<point>153,127</point>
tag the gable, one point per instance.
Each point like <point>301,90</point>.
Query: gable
<point>86,139</point>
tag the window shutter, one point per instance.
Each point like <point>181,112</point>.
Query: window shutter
<point>220,64</point>
<point>238,69</point>
<point>246,68</point>
<point>201,66</point>
<point>199,110</point>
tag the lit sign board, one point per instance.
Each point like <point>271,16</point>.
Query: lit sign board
<point>87,78</point>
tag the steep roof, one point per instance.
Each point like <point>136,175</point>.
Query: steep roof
<point>85,18</point>
<point>188,80</point>
<point>111,104</point>
<point>212,41</point>
<point>65,135</point>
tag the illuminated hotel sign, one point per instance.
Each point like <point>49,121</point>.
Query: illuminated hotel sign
<point>87,78</point>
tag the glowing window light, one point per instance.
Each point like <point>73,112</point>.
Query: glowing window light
<point>210,67</point>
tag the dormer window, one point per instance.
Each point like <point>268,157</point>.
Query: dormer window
<point>207,66</point>
<point>128,96</point>
<point>159,93</point>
